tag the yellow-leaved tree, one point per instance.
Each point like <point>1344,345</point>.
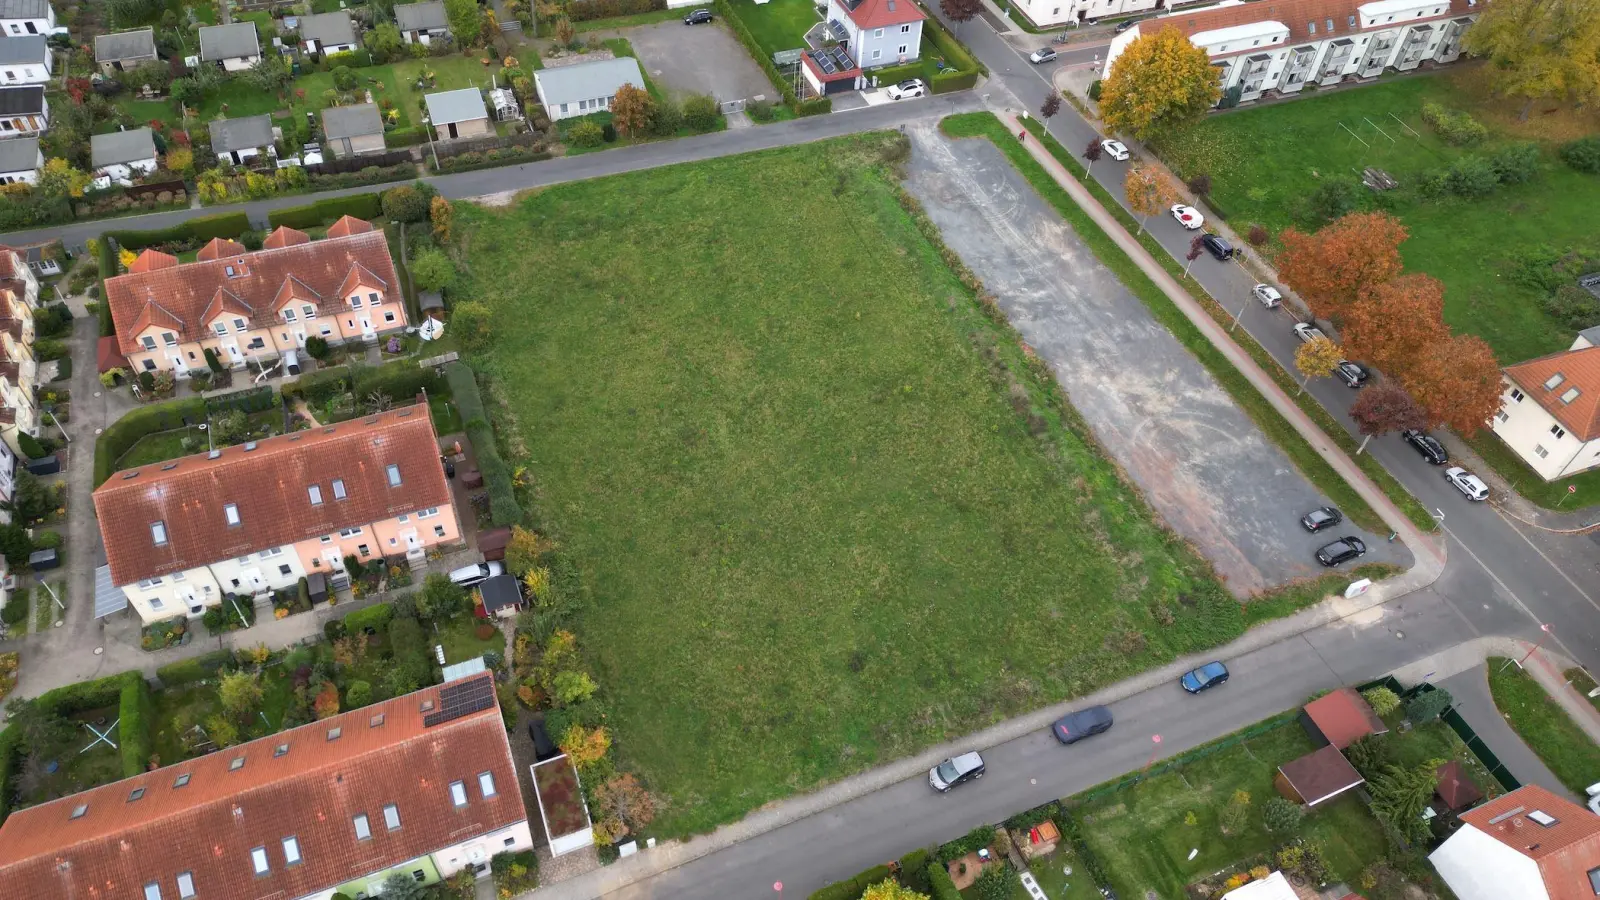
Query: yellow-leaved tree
<point>1148,191</point>
<point>126,258</point>
<point>1540,49</point>
<point>631,109</point>
<point>1317,358</point>
<point>59,179</point>
<point>1161,83</point>
<point>889,889</point>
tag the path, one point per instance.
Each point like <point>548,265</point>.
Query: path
<point>1472,699</point>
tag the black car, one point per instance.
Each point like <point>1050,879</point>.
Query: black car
<point>1427,445</point>
<point>1076,726</point>
<point>1124,25</point>
<point>698,17</point>
<point>1343,550</point>
<point>1320,518</point>
<point>1352,374</point>
<point>1217,246</point>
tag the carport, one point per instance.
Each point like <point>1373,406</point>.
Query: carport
<point>829,71</point>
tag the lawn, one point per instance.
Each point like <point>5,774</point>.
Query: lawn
<point>1544,725</point>
<point>461,644</point>
<point>1263,161</point>
<point>812,523</point>
<point>76,767</point>
<point>778,25</point>
<point>164,445</point>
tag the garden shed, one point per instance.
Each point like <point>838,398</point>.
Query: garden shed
<point>502,596</point>
<point>1341,718</point>
<point>1317,777</point>
<point>560,795</point>
<point>1272,887</point>
<point>1455,789</point>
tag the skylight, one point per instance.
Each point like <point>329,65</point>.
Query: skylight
<point>258,859</point>
<point>181,780</point>
<point>363,829</point>
<point>338,489</point>
<point>1570,395</point>
<point>458,793</point>
<point>391,817</point>
<point>80,809</point>
<point>158,533</point>
<point>291,851</point>
<point>236,764</point>
<point>334,732</point>
<point>315,492</point>
<point>281,750</point>
<point>1554,380</point>
<point>135,794</point>
<point>231,511</point>
<point>394,474</point>
<point>1542,817</point>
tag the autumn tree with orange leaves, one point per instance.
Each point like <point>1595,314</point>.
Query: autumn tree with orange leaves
<point>1330,268</point>
<point>1391,325</point>
<point>1458,382</point>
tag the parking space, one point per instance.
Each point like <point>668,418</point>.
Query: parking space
<point>698,59</point>
<point>1200,461</point>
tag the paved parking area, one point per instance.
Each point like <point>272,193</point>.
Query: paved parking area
<point>698,59</point>
<point>1199,459</point>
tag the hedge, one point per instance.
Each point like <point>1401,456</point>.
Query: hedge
<point>63,369</point>
<point>853,888</point>
<point>134,725</point>
<point>108,267</point>
<point>113,690</point>
<point>948,80</point>
<point>197,668</point>
<point>943,887</point>
<point>725,10</point>
<point>409,136</point>
<point>503,506</point>
<point>954,52</point>
<point>914,871</point>
<point>224,225</point>
<point>320,386</point>
<point>470,161</point>
<point>816,106</point>
<point>897,74</point>
<point>589,10</point>
<point>122,434</point>
<point>327,211</point>
<point>375,617</point>
<point>400,381</point>
<point>250,400</point>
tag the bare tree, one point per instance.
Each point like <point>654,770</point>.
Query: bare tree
<point>959,11</point>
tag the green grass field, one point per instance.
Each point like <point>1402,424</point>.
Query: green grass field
<point>778,25</point>
<point>1263,161</point>
<point>1544,725</point>
<point>814,529</point>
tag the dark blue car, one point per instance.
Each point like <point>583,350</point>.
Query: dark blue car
<point>1207,676</point>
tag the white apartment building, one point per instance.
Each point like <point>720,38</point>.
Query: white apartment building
<point>1550,411</point>
<point>1048,13</point>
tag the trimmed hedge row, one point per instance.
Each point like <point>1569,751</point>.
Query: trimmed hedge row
<point>376,617</point>
<point>327,211</point>
<point>588,10</point>
<point>400,381</point>
<point>126,431</point>
<point>965,66</point>
<point>224,225</point>
<point>503,506</point>
<point>942,887</point>
<point>197,668</point>
<point>108,268</point>
<point>725,10</point>
<point>816,106</point>
<point>250,400</point>
<point>470,161</point>
<point>112,690</point>
<point>134,709</point>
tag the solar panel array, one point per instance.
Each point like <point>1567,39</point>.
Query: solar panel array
<point>824,61</point>
<point>457,700</point>
<point>841,58</point>
<point>832,60</point>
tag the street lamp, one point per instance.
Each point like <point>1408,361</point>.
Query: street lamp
<point>1155,740</point>
<point>427,127</point>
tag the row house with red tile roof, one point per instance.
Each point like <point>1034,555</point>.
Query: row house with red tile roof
<point>254,306</point>
<point>422,785</point>
<point>1529,844</point>
<point>1550,410</point>
<point>1280,45</point>
<point>247,520</point>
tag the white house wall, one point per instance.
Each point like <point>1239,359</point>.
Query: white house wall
<point>1046,13</point>
<point>1525,426</point>
<point>28,176</point>
<point>174,595</point>
<point>1479,867</point>
<point>30,26</point>
<point>478,851</point>
<point>258,572</point>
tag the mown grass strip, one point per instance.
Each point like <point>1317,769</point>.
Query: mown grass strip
<point>1544,725</point>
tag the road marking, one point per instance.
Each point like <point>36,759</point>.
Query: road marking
<point>1559,570</point>
<point>1510,593</point>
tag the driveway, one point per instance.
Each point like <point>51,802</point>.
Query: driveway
<point>1199,460</point>
<point>1470,689</point>
<point>698,59</point>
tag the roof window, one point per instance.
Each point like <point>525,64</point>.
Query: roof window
<point>185,885</point>
<point>249,445</point>
<point>169,467</point>
<point>458,794</point>
<point>181,780</point>
<point>1570,395</point>
<point>334,732</point>
<point>1543,818</point>
<point>81,808</point>
<point>158,533</point>
<point>394,474</point>
<point>338,489</point>
<point>363,827</point>
<point>315,492</point>
<point>231,512</point>
<point>375,721</point>
<point>1553,381</point>
<point>135,794</point>
<point>291,850</point>
<point>258,859</point>
<point>236,764</point>
<point>152,891</point>
<point>133,474</point>
<point>214,454</point>
<point>280,750</point>
<point>391,817</point>
<point>486,784</point>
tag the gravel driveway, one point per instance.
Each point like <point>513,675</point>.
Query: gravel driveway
<point>698,59</point>
<point>1199,459</point>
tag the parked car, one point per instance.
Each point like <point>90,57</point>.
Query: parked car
<point>1343,550</point>
<point>1117,150</point>
<point>698,17</point>
<point>1204,678</point>
<point>1217,246</point>
<point>906,90</point>
<point>1075,726</point>
<point>957,770</point>
<point>1352,374</point>
<point>1188,216</point>
<point>1320,518</point>
<point>467,576</point>
<point>1307,332</point>
<point>1042,55</point>
<point>1124,25</point>
<point>1427,445</point>
<point>1268,295</point>
<point>1467,483</point>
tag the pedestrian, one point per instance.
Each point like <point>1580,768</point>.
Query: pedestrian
<point>1023,135</point>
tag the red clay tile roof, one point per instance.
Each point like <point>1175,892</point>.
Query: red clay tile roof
<point>284,236</point>
<point>185,291</point>
<point>1578,369</point>
<point>1344,717</point>
<point>7,262</point>
<point>217,248</point>
<point>348,225</point>
<point>1320,774</point>
<point>312,792</point>
<point>151,260</point>
<point>107,356</point>
<point>268,484</point>
<point>1295,15</point>
<point>1565,851</point>
<point>882,13</point>
<point>1455,787</point>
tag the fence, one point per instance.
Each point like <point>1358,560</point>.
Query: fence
<point>140,191</point>
<point>1459,726</point>
<point>357,163</point>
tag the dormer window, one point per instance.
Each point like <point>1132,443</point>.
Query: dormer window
<point>158,533</point>
<point>230,511</point>
<point>221,327</point>
<point>355,301</point>
<point>374,299</point>
<point>309,312</point>
<point>148,341</point>
<point>1554,381</point>
<point>240,325</point>
<point>169,338</point>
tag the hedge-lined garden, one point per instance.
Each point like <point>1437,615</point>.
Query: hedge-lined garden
<point>41,728</point>
<point>813,107</point>
<point>327,211</point>
<point>503,506</point>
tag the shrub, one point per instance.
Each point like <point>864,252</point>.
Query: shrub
<point>1572,306</point>
<point>666,118</point>
<point>976,839</point>
<point>1455,128</point>
<point>1382,700</point>
<point>1471,177</point>
<point>412,663</point>
<point>407,203</point>
<point>1257,235</point>
<point>334,629</point>
<point>1425,707</point>
<point>942,888</point>
<point>586,133</point>
<point>1094,90</point>
<point>30,446</point>
<point>1582,154</point>
<point>16,608</point>
<point>326,211</point>
<point>1333,198</point>
<point>317,347</point>
<point>375,617</point>
<point>1281,816</point>
<point>994,883</point>
<point>359,693</point>
<point>1515,163</point>
<point>1370,755</point>
<point>852,888</point>
<point>1200,184</point>
<point>588,10</point>
<point>701,112</point>
<point>432,270</point>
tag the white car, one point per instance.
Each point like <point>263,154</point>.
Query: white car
<point>467,576</point>
<point>1467,483</point>
<point>1268,295</point>
<point>1188,217</point>
<point>1307,332</point>
<point>1117,150</point>
<point>905,90</point>
<point>1042,55</point>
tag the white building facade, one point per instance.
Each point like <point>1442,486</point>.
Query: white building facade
<point>1550,411</point>
<point>1048,13</point>
<point>27,17</point>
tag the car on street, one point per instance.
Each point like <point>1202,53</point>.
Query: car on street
<point>1470,485</point>
<point>1320,518</point>
<point>1188,216</point>
<point>698,17</point>
<point>1217,246</point>
<point>956,770</point>
<point>1204,678</point>
<point>1308,332</point>
<point>1124,25</point>
<point>1076,726</point>
<point>1117,150</point>
<point>1042,55</point>
<point>1427,445</point>
<point>907,89</point>
<point>1343,550</point>
<point>467,576</point>
<point>1352,374</point>
<point>1268,295</point>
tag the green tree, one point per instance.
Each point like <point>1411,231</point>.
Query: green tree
<point>384,42</point>
<point>406,204</point>
<point>31,498</point>
<point>432,270</point>
<point>466,21</point>
<point>1540,50</point>
<point>440,598</point>
<point>572,687</point>
<point>1427,707</point>
<point>993,884</point>
<point>15,545</point>
<point>59,179</point>
<point>270,74</point>
<point>240,693</point>
<point>1399,796</point>
<point>1281,816</point>
<point>470,320</point>
<point>401,886</point>
<point>701,112</point>
<point>222,732</point>
<point>344,79</point>
<point>1160,84</point>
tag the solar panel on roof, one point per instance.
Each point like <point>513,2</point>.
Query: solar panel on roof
<point>824,62</point>
<point>457,700</point>
<point>843,58</point>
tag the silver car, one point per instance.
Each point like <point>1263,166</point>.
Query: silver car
<point>1268,295</point>
<point>1467,483</point>
<point>956,770</point>
<point>467,576</point>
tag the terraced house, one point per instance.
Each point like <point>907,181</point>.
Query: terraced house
<point>422,785</point>
<point>1260,48</point>
<point>252,519</point>
<point>254,306</point>
<point>19,297</point>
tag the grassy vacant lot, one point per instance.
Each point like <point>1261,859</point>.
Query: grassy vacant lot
<point>1264,161</point>
<point>815,529</point>
<point>1544,725</point>
<point>778,25</point>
